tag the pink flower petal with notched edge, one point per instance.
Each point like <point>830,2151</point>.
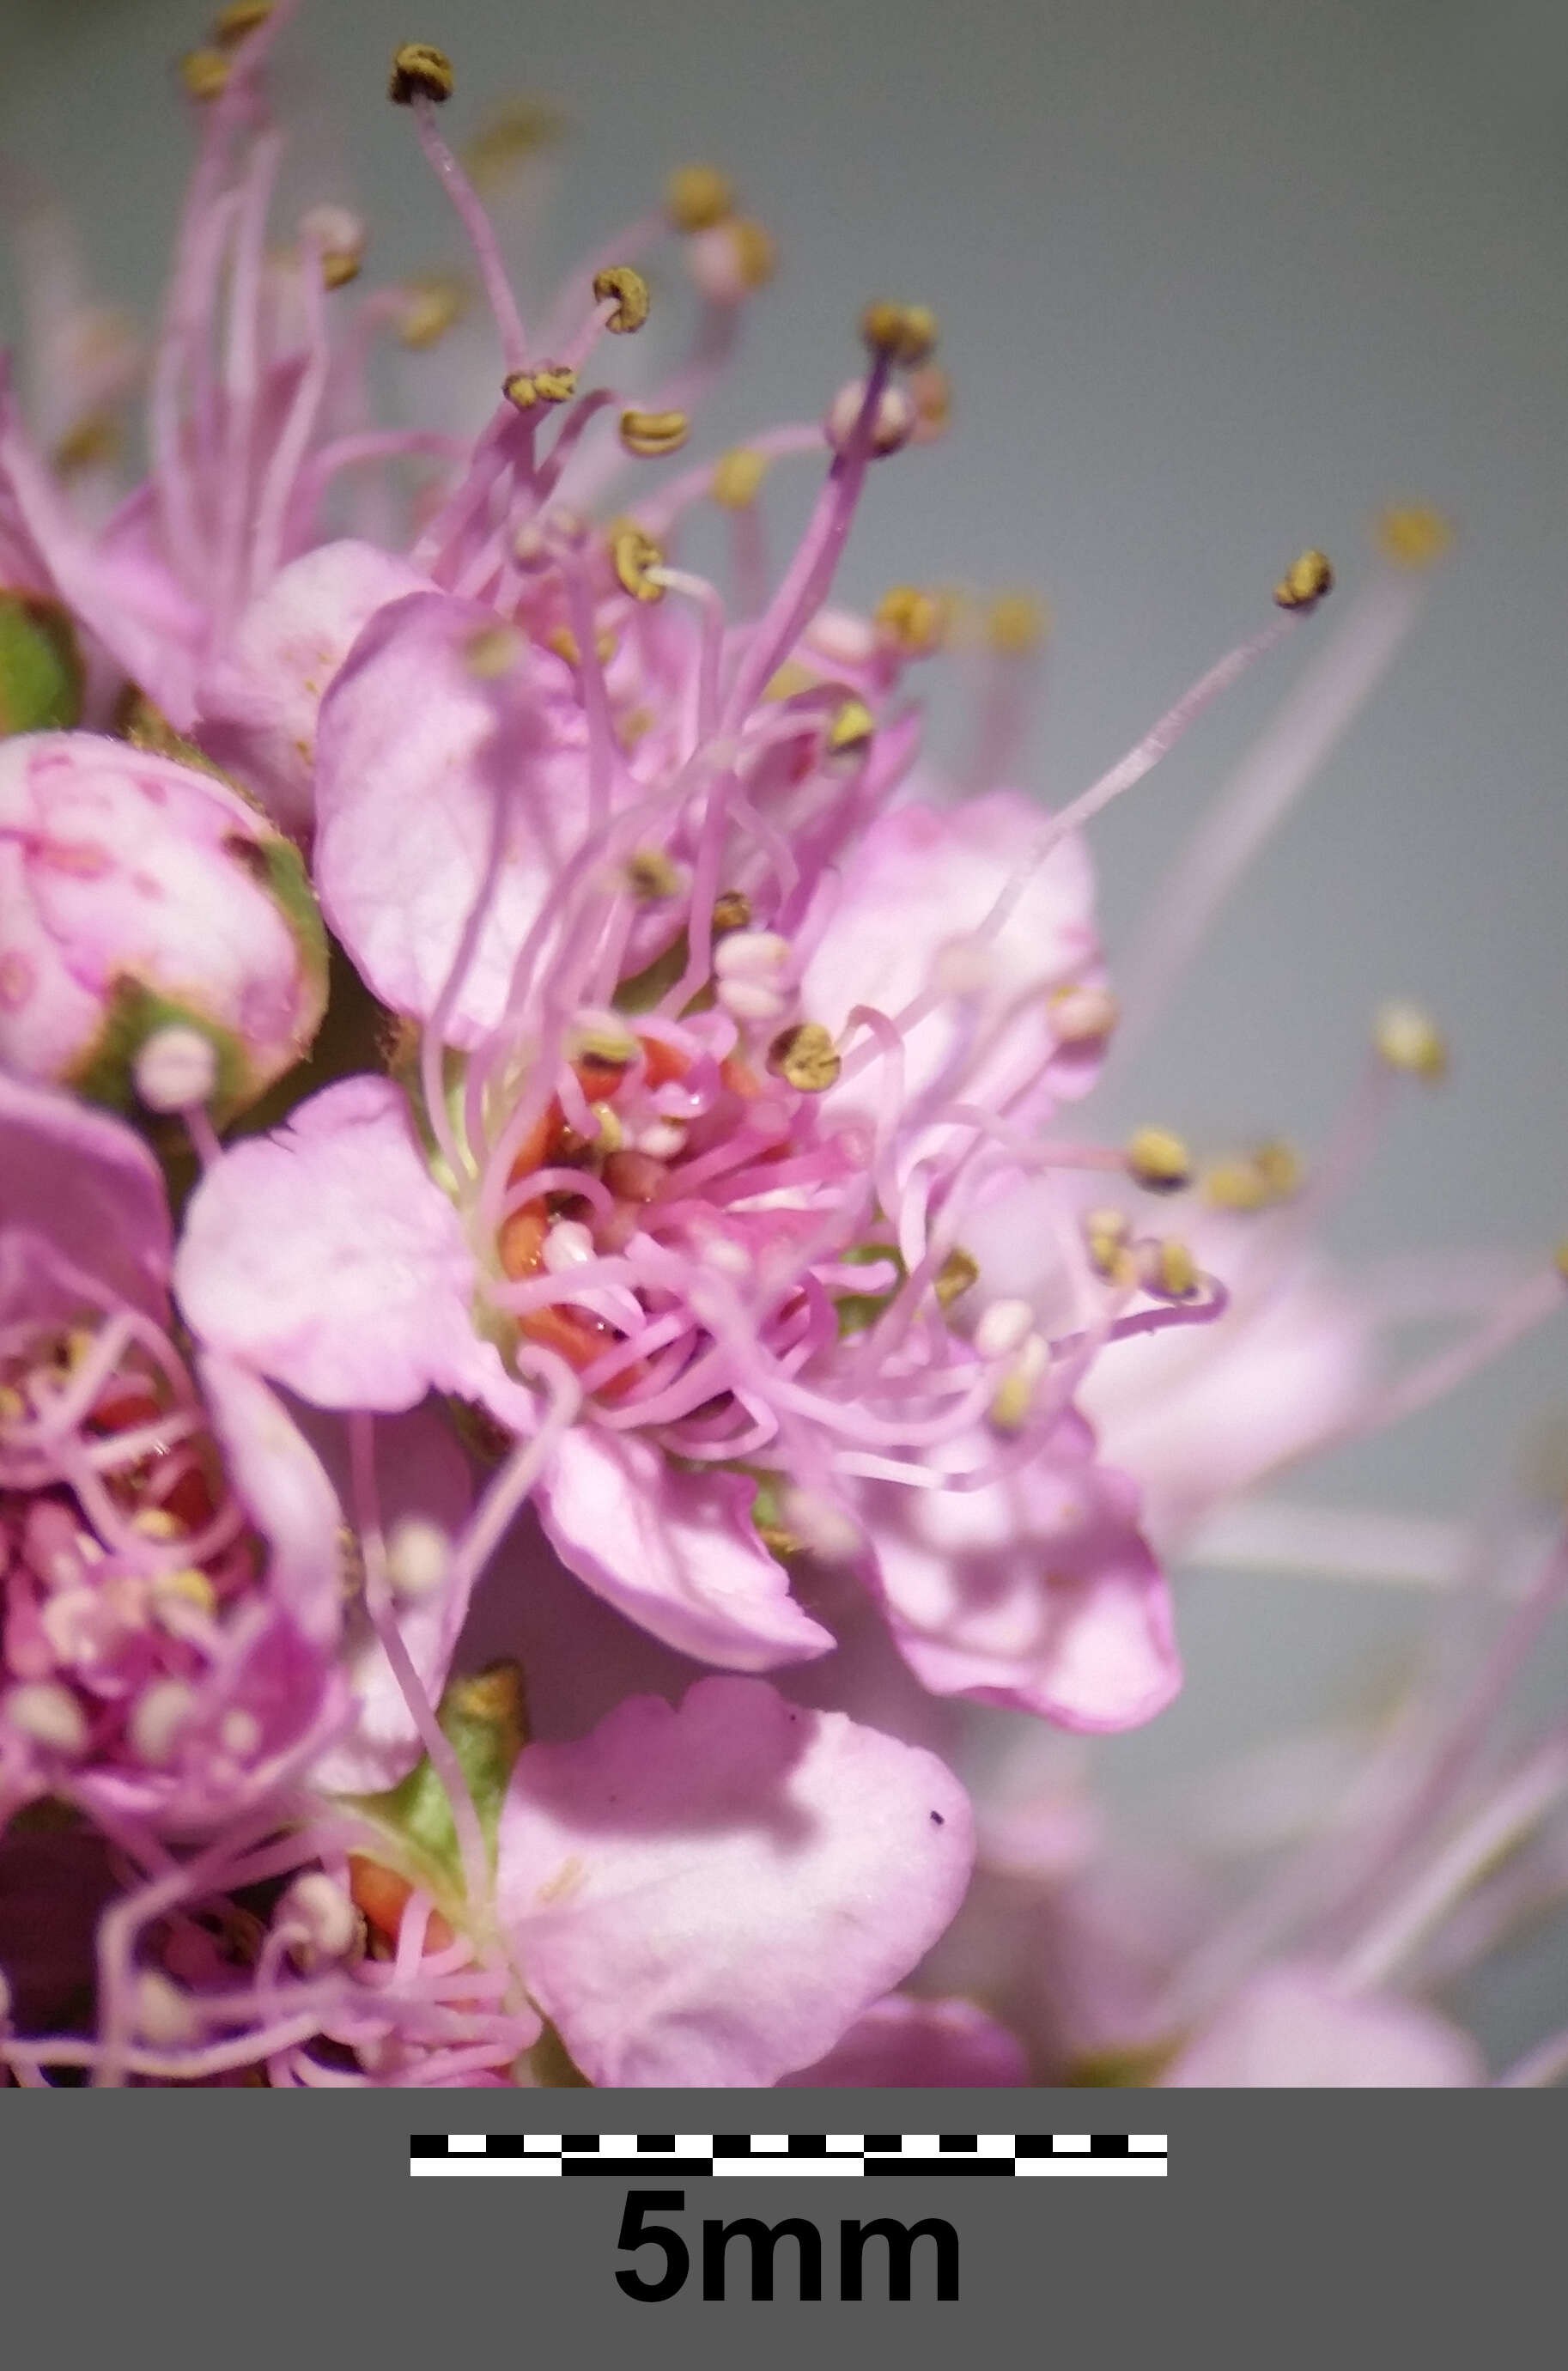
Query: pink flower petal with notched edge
<point>1290,2030</point>
<point>405,803</point>
<point>89,1188</point>
<point>919,884</point>
<point>1037,1591</point>
<point>713,1894</point>
<point>257,705</point>
<point>673,1552</point>
<point>327,1258</point>
<point>919,2045</point>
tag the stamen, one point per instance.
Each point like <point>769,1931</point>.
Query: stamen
<point>1157,1161</point>
<point>419,71</point>
<point>906,334</point>
<point>649,435</point>
<point>629,290</point>
<point>1305,582</point>
<point>698,196</point>
<point>805,1056</point>
<point>1408,1039</point>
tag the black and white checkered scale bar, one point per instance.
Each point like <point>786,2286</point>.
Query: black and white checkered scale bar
<point>771,2155</point>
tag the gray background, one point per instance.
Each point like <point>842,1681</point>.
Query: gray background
<point>1216,279</point>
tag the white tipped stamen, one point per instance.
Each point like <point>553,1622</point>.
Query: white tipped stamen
<point>419,1553</point>
<point>48,1714</point>
<point>176,1070</point>
<point>164,2016</point>
<point>158,1716</point>
<point>1003,1328</point>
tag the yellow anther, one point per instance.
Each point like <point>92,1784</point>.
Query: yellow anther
<point>756,257</point>
<point>698,196</point>
<point>805,1056</point>
<point>89,444</point>
<point>1105,1236</point>
<point>428,309</point>
<point>186,1587</point>
<point>205,73</point>
<point>1305,582</point>
<point>551,383</point>
<point>1017,624</point>
<point>420,71</point>
<point>788,681</point>
<point>618,280</point>
<point>614,1049</point>
<point>493,652</point>
<point>649,875</point>
<point>904,333</point>
<point>13,1406</point>
<point>731,911</point>
<point>737,478</point>
<point>564,643</point>
<point>612,1135</point>
<point>510,136</point>
<point>1159,1161</point>
<point>1408,1039</point>
<point>910,621</point>
<point>1167,1270</point>
<point>1254,1180</point>
<point>157,1523</point>
<point>853,727</point>
<point>236,24</point>
<point>632,553</point>
<point>1412,536</point>
<point>957,1273</point>
<point>339,266</point>
<point>651,434</point>
<point>930,391</point>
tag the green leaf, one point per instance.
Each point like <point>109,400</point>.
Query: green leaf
<point>485,1718</point>
<point>41,666</point>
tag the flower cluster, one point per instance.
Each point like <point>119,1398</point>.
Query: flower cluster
<point>538,1187</point>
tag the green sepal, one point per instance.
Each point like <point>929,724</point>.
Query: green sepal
<point>1126,2066</point>
<point>41,666</point>
<point>485,1719</point>
<point>105,1074</point>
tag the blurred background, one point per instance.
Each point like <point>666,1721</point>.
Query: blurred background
<point>1217,280</point>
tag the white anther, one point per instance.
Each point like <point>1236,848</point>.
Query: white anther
<point>751,1000</point>
<point>893,425</point>
<point>1081,1016</point>
<point>841,638</point>
<point>163,2014</point>
<point>176,1068</point>
<point>752,955</point>
<point>159,1714</point>
<point>568,1244</point>
<point>1003,1328</point>
<point>240,1733</point>
<point>822,1529</point>
<point>320,1914</point>
<point>49,1713</point>
<point>419,1553</point>
<point>662,1138</point>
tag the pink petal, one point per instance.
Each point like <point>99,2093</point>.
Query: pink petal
<point>673,1552</point>
<point>422,1476</point>
<point>919,2045</point>
<point>89,1188</point>
<point>405,803</point>
<point>257,705</point>
<point>920,881</point>
<point>713,1894</point>
<point>1290,2030</point>
<point>1037,1591</point>
<point>280,1479</point>
<point>328,1257</point>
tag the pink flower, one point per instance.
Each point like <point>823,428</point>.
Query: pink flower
<point>171,1593</point>
<point>712,1894</point>
<point>138,896</point>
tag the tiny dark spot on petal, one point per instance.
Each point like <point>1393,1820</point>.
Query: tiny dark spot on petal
<point>938,1820</point>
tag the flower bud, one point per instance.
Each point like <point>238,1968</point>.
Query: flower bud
<point>149,913</point>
